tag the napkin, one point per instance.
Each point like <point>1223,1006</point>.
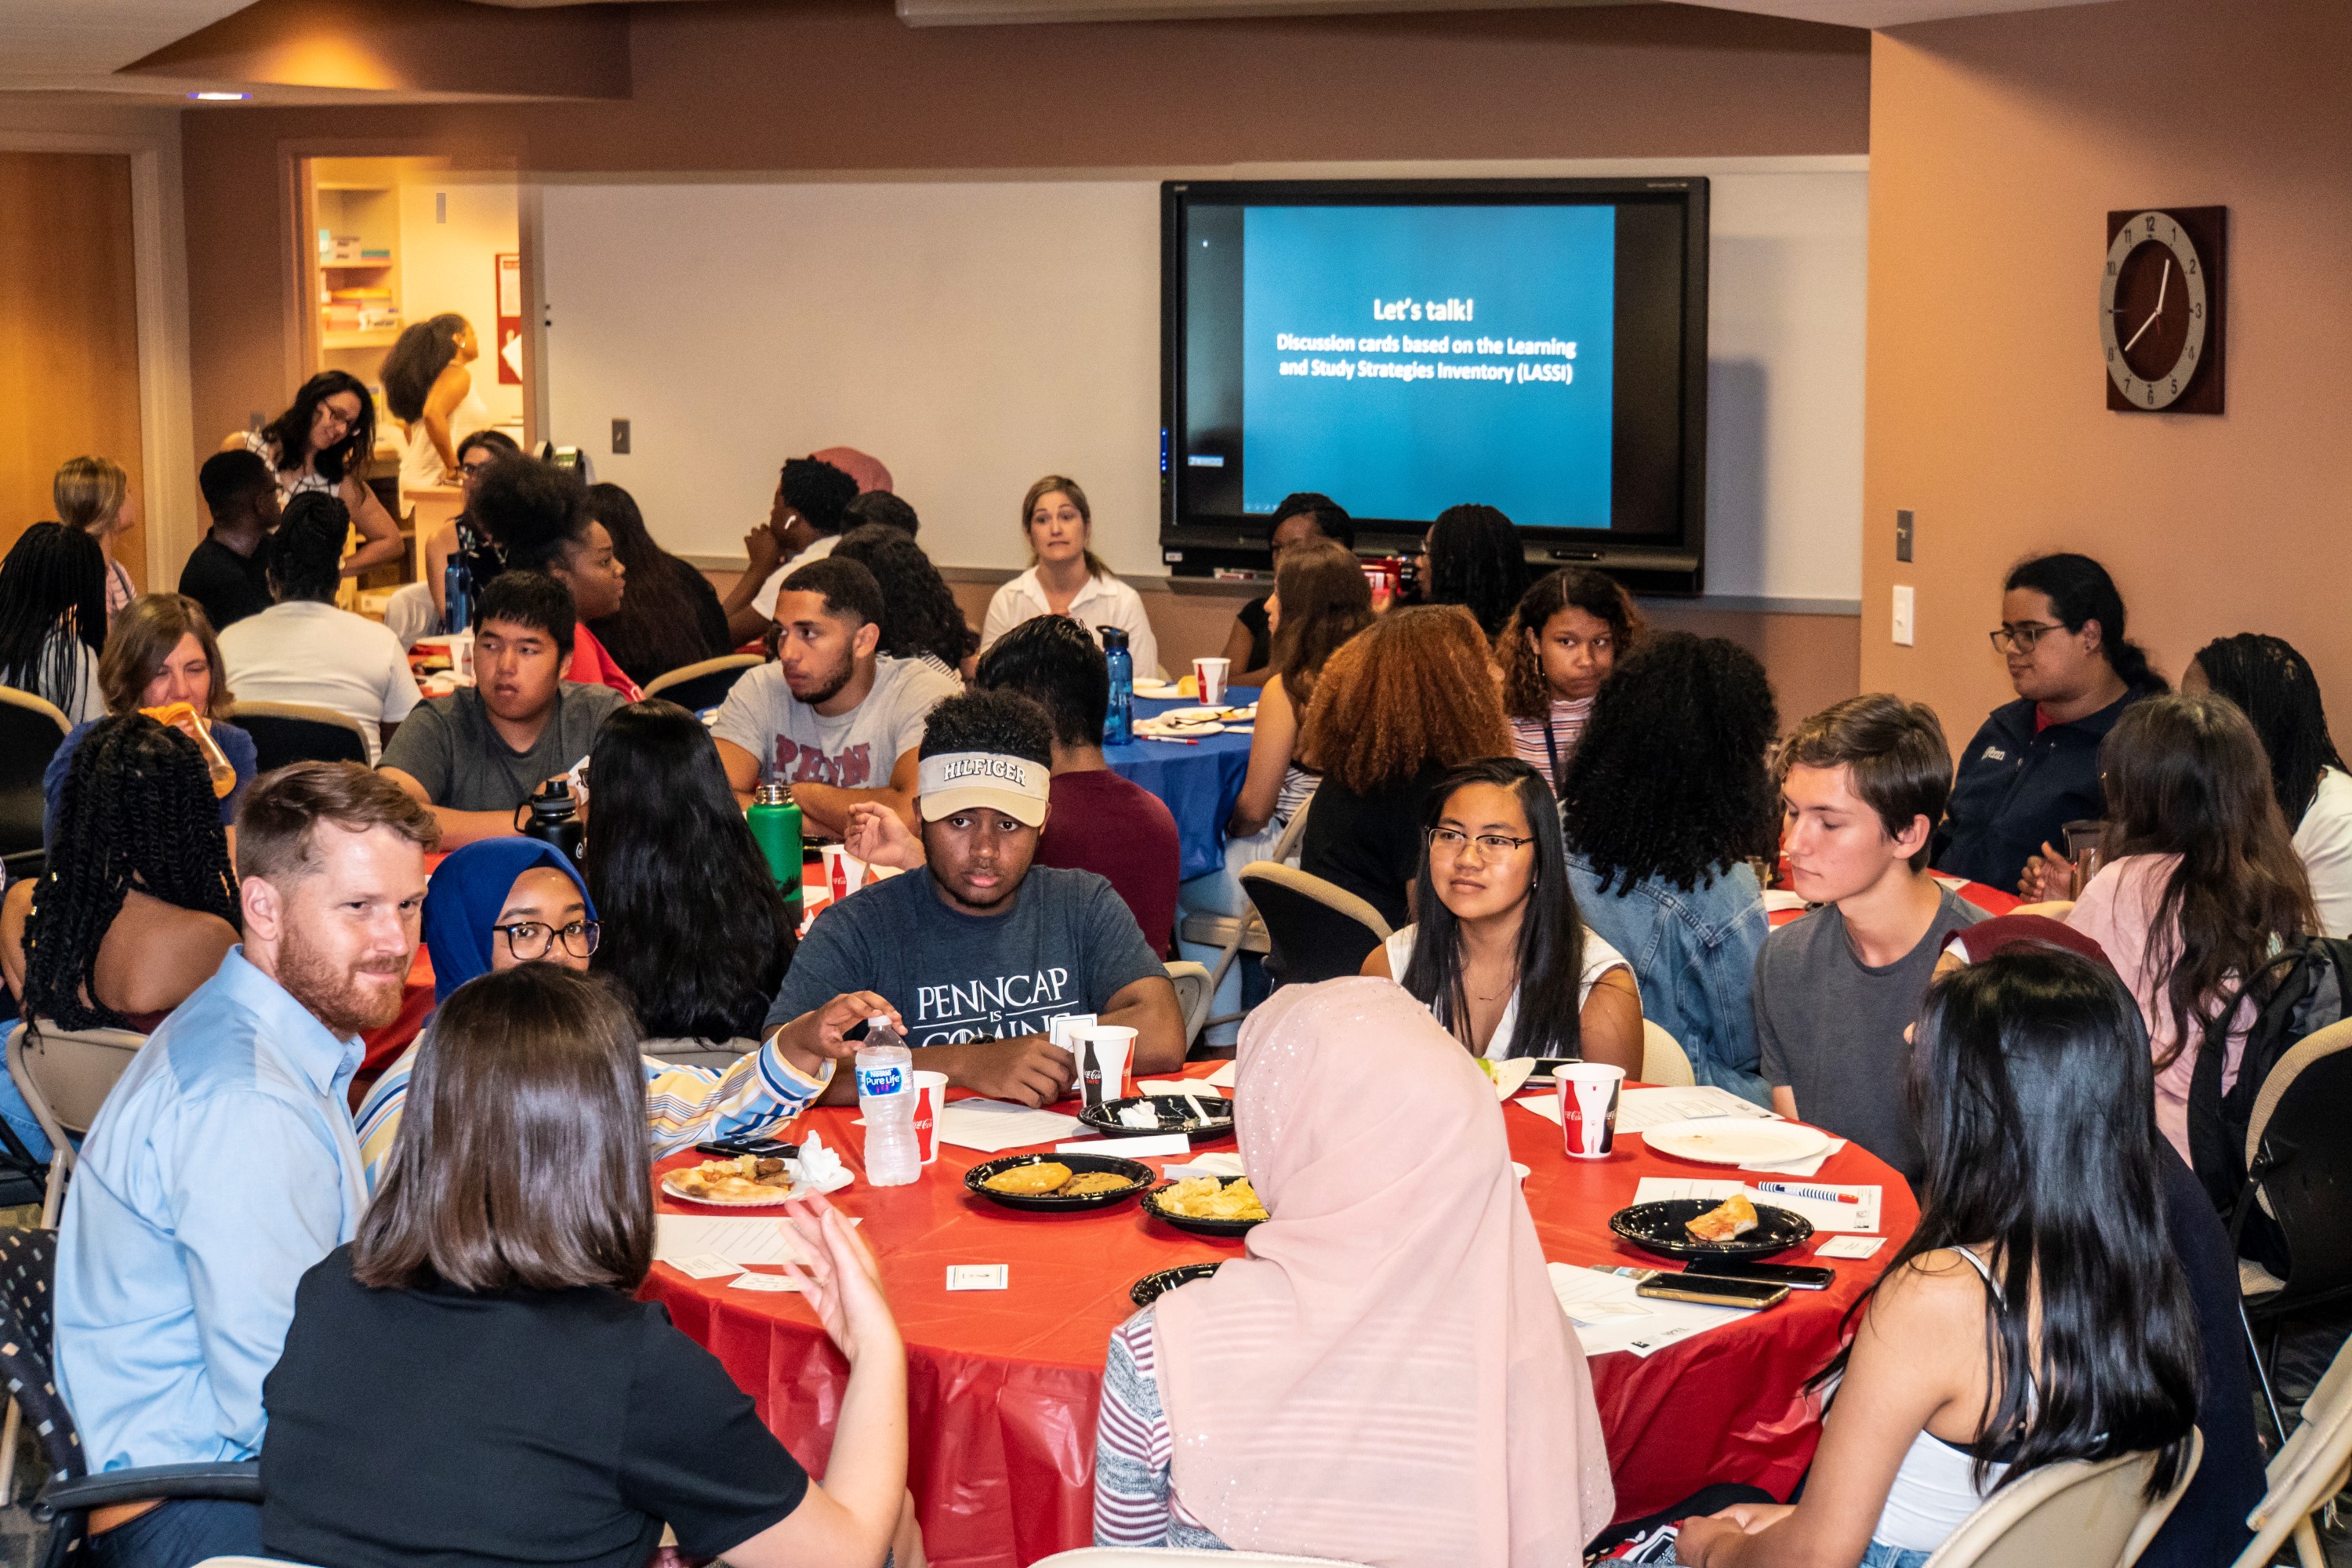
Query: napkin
<point>820,1168</point>
<point>1218,1164</point>
<point>1146,1117</point>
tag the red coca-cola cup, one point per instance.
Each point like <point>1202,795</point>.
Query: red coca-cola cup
<point>1587,1108</point>
<point>931,1099</point>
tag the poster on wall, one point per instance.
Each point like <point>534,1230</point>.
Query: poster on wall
<point>509,281</point>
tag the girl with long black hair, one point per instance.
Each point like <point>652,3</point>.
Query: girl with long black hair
<point>320,443</point>
<point>694,928</point>
<point>2273,686</point>
<point>1499,955</point>
<point>921,617</point>
<point>53,618</point>
<point>2038,1313</point>
<point>1472,556</point>
<point>671,617</point>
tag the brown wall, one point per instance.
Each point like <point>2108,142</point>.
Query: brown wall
<point>69,353</point>
<point>1998,146</point>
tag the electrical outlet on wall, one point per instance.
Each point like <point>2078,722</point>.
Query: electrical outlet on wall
<point>1905,606</point>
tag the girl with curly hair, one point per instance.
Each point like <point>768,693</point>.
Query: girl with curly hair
<point>1560,644</point>
<point>921,617</point>
<point>1665,801</point>
<point>1408,698</point>
<point>138,904</point>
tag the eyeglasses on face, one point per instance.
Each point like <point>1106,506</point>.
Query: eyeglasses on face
<point>1451,840</point>
<point>2019,637</point>
<point>531,939</point>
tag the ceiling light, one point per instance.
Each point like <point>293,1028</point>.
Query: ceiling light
<point>221,97</point>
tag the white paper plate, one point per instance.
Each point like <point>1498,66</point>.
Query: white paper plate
<point>1157,691</point>
<point>1734,1141</point>
<point>1511,1075</point>
<point>783,1195</point>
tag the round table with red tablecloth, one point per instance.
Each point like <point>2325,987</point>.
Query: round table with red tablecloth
<point>1003,1384</point>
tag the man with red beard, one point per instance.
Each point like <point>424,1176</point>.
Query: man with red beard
<point>223,1164</point>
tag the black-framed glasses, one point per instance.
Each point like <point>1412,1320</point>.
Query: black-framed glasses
<point>2020,637</point>
<point>531,940</point>
<point>1452,839</point>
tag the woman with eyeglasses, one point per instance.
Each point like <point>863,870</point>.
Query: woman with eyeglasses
<point>1500,955</point>
<point>502,902</point>
<point>2034,765</point>
<point>321,444</point>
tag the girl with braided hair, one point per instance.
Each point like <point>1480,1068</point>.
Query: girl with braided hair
<point>138,904</point>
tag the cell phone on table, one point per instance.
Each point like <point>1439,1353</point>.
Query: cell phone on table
<point>1796,1276</point>
<point>758,1148</point>
<point>1755,1294</point>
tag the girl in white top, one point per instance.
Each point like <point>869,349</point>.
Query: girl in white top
<point>1498,954</point>
<point>319,444</point>
<point>1068,578</point>
<point>2274,686</point>
<point>94,495</point>
<point>1977,1361</point>
<point>429,388</point>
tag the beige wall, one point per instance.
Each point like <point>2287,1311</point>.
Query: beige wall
<point>1998,146</point>
<point>450,265</point>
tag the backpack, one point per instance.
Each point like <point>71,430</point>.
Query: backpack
<point>2306,986</point>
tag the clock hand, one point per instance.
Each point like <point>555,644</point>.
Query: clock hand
<point>2144,326</point>
<point>2162,284</point>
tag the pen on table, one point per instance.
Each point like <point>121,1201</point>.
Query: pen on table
<point>1169,739</point>
<point>1826,1195</point>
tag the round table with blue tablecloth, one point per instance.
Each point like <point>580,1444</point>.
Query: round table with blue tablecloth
<point>1199,781</point>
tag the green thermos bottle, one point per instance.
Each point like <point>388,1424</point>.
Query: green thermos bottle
<point>775,823</point>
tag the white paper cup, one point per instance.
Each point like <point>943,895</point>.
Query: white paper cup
<point>931,1099</point>
<point>1111,1048</point>
<point>1587,1108</point>
<point>1210,674</point>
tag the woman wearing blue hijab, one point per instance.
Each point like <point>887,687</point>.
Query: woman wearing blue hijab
<point>503,902</point>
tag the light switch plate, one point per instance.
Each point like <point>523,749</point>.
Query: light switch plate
<point>620,437</point>
<point>1906,606</point>
<point>1903,525</point>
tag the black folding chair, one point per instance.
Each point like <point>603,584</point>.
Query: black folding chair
<point>1315,930</point>
<point>696,687</point>
<point>30,731</point>
<point>287,733</point>
<point>28,1262</point>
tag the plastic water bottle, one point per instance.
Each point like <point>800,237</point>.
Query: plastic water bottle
<point>1118,724</point>
<point>886,1096</point>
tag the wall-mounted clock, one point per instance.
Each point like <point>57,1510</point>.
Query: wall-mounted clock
<point>2160,306</point>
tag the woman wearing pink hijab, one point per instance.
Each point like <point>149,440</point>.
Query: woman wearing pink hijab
<point>1385,1376</point>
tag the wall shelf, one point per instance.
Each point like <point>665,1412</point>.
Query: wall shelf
<point>375,338</point>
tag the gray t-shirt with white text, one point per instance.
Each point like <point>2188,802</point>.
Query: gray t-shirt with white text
<point>856,750</point>
<point>1068,945</point>
<point>1831,1026</point>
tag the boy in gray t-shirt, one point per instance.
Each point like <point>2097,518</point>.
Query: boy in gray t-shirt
<point>1863,786</point>
<point>830,717</point>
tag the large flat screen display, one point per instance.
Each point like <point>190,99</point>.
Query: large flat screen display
<point>1537,346</point>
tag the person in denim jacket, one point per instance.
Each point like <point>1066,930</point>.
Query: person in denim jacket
<point>1666,798</point>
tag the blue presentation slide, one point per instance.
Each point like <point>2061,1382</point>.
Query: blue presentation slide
<point>1404,360</point>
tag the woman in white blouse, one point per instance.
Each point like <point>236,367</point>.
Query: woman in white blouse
<point>1067,578</point>
<point>1499,953</point>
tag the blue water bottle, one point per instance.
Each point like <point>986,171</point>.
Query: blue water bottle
<point>1118,725</point>
<point>457,589</point>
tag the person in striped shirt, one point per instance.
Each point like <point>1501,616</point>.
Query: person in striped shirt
<point>502,902</point>
<point>1560,644</point>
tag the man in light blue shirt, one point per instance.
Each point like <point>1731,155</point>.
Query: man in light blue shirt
<point>223,1165</point>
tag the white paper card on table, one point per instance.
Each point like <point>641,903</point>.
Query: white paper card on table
<point>992,1126</point>
<point>978,1276</point>
<point>1779,901</point>
<point>1174,1088</point>
<point>1811,1166</point>
<point>1640,1108</point>
<point>1131,1148</point>
<point>762,1282</point>
<point>1825,1215</point>
<point>1546,1105</point>
<point>1218,1164</point>
<point>1850,1247</point>
<point>728,1237</point>
<point>1608,1316</point>
<point>706,1266</point>
<point>1058,1029</point>
<point>1223,1077</point>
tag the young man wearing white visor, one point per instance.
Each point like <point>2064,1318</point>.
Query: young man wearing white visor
<point>980,953</point>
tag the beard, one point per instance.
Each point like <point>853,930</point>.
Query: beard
<point>348,999</point>
<point>828,686</point>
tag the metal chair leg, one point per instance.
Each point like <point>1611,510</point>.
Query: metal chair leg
<point>8,1434</point>
<point>2262,1373</point>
